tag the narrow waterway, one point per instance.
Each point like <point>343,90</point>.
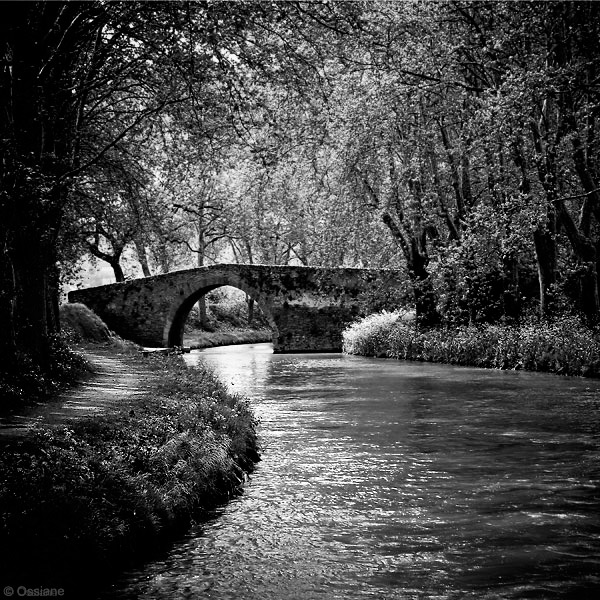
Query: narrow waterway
<point>393,480</point>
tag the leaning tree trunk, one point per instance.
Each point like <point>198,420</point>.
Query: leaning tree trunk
<point>142,257</point>
<point>414,248</point>
<point>114,259</point>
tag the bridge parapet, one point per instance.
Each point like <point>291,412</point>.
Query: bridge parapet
<point>307,307</point>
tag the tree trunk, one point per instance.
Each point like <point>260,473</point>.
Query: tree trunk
<point>584,250</point>
<point>415,254</point>
<point>29,303</point>
<point>544,237</point>
<point>8,340</point>
<point>511,296</point>
<point>587,252</point>
<point>142,257</point>
<point>117,270</point>
<point>202,312</point>
<point>250,302</point>
<point>545,254</point>
<point>424,294</point>
<point>114,260</point>
<point>33,327</point>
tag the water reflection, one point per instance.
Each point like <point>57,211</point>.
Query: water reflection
<point>383,479</point>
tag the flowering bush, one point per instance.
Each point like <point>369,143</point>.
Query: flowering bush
<point>369,336</point>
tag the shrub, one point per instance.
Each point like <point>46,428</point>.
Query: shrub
<point>369,336</point>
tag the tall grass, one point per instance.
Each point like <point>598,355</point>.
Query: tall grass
<point>85,497</point>
<point>564,346</point>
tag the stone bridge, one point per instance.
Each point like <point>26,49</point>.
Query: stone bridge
<point>307,307</point>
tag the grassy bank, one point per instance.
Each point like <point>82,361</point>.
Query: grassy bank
<point>87,498</point>
<point>564,346</point>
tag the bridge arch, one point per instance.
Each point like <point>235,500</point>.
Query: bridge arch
<point>180,310</point>
<point>307,307</point>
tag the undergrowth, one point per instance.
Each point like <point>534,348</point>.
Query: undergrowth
<point>564,346</point>
<point>88,496</point>
<point>26,381</point>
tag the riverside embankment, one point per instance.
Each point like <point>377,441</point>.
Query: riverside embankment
<point>112,468</point>
<point>564,346</point>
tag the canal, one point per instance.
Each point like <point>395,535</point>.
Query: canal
<point>393,480</point>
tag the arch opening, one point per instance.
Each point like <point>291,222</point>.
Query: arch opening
<point>223,312</point>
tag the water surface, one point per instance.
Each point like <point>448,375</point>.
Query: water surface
<point>397,480</point>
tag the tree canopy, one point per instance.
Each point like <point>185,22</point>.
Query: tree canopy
<point>456,140</point>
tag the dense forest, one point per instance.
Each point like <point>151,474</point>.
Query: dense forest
<point>455,140</point>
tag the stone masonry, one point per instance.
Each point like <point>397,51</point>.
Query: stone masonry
<point>307,307</point>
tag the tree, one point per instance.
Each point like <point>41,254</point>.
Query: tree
<point>78,78</point>
<point>47,70</point>
<point>543,95</point>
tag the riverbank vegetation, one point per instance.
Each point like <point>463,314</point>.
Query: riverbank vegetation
<point>565,345</point>
<point>93,494</point>
<point>90,496</point>
<point>26,381</point>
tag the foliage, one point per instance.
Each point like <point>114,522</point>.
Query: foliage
<point>91,494</point>
<point>565,346</point>
<point>457,140</point>
<point>29,383</point>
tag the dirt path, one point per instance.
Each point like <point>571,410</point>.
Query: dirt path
<point>117,379</point>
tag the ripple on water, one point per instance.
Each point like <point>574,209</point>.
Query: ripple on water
<point>392,480</point>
